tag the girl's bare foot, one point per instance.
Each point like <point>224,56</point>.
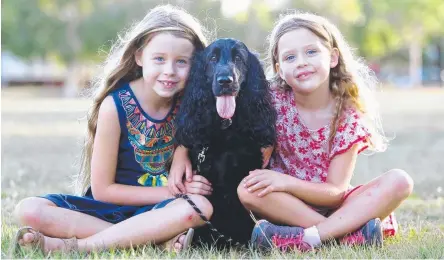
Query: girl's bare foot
<point>29,237</point>
<point>48,244</point>
<point>181,242</point>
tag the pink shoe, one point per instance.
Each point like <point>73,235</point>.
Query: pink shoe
<point>292,243</point>
<point>390,226</point>
<point>265,236</point>
<point>369,234</point>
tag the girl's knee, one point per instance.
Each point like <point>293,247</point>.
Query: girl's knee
<point>203,204</point>
<point>400,182</point>
<point>247,198</point>
<point>29,211</point>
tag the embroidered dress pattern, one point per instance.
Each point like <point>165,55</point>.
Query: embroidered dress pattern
<point>145,144</point>
<point>153,142</point>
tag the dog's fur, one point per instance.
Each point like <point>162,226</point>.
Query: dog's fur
<point>226,67</point>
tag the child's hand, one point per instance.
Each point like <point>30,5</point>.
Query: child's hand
<point>266,154</point>
<point>267,180</point>
<point>198,185</point>
<point>181,165</point>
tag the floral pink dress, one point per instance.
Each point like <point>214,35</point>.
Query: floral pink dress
<point>304,153</point>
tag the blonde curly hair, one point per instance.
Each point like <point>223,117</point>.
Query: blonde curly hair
<point>351,81</point>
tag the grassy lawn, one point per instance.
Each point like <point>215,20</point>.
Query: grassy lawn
<point>421,236</point>
<point>41,136</point>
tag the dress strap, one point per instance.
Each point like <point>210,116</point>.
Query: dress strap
<point>120,96</point>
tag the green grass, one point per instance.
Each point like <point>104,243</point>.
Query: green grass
<point>38,152</point>
<point>421,236</point>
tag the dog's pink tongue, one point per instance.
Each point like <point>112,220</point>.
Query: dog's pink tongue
<point>225,106</point>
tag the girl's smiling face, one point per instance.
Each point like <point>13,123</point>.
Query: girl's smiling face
<point>304,62</point>
<point>166,62</point>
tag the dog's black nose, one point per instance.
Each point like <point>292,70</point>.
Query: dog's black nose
<point>224,80</point>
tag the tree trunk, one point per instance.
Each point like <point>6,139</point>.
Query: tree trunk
<point>253,29</point>
<point>415,58</point>
<point>71,87</point>
<point>441,62</point>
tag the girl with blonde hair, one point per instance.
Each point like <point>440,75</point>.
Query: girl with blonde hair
<point>326,117</point>
<point>131,129</point>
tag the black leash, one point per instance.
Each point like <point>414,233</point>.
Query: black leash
<point>200,159</point>
<point>207,222</point>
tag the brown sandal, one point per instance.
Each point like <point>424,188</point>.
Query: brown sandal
<point>39,241</point>
<point>169,245</point>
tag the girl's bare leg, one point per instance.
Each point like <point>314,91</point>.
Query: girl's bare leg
<point>154,226</point>
<point>45,216</point>
<point>376,199</point>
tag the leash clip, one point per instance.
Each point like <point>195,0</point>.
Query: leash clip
<point>201,157</point>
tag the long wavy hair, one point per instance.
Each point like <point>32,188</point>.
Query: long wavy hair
<point>352,83</point>
<point>121,65</point>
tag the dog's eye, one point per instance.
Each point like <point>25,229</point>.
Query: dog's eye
<point>237,58</point>
<point>213,58</point>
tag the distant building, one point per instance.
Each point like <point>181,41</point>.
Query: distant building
<point>16,71</point>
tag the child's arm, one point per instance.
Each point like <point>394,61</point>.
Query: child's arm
<point>328,194</point>
<point>181,165</point>
<point>104,163</point>
<point>331,192</point>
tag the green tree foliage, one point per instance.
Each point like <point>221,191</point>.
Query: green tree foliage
<point>374,27</point>
<point>27,32</point>
<point>393,24</point>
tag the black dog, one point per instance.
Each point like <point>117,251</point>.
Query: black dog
<point>225,118</point>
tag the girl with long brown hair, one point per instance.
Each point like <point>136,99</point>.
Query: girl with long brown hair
<point>125,200</point>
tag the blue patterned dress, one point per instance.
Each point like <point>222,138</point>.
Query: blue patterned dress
<point>145,146</point>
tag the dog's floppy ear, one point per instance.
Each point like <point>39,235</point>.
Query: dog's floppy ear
<point>255,75</point>
<point>256,109</point>
<point>194,116</point>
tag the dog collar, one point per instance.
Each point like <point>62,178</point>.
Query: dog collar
<point>226,123</point>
